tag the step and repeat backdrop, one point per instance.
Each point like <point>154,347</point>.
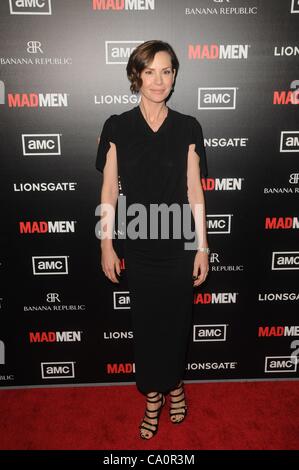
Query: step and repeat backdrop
<point>62,75</point>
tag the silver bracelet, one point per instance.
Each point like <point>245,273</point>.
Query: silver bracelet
<point>204,249</point>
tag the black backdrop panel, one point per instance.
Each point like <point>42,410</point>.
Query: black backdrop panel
<point>62,74</point>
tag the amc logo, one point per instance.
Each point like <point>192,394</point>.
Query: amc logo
<point>280,364</point>
<point>43,265</point>
<point>217,98</point>
<point>209,332</point>
<point>30,7</point>
<point>219,223</point>
<point>118,52</point>
<point>41,144</point>
<point>58,370</point>
<point>295,6</point>
<point>121,300</point>
<point>289,141</point>
<point>285,260</point>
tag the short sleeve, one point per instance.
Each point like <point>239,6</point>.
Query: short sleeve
<point>107,135</point>
<point>197,139</point>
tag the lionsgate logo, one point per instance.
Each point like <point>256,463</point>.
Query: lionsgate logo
<point>108,99</point>
<point>58,370</point>
<point>43,187</point>
<point>209,332</point>
<point>30,7</point>
<point>280,364</point>
<point>285,260</point>
<point>217,97</point>
<point>49,265</point>
<point>226,142</point>
<point>41,144</point>
<point>121,300</point>
<point>289,141</point>
<point>118,52</point>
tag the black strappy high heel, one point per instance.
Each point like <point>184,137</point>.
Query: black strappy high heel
<point>177,411</point>
<point>146,425</point>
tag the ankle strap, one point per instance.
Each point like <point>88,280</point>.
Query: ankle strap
<point>153,398</point>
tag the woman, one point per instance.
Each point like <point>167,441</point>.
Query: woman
<point>159,155</point>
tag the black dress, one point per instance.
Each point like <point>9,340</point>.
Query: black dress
<point>152,167</point>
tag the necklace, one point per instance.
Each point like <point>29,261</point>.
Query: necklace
<point>146,118</point>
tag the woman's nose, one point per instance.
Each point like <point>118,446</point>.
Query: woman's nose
<point>158,78</point>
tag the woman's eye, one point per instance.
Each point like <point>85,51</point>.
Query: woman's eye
<point>167,71</point>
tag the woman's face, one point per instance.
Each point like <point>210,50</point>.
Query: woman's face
<point>157,78</point>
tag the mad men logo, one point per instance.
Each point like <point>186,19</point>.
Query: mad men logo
<point>118,52</point>
<point>121,368</point>
<point>289,141</point>
<point>280,364</point>
<point>41,144</point>
<point>286,223</point>
<point>219,223</point>
<point>57,226</point>
<point>218,51</point>
<point>285,260</point>
<point>266,331</point>
<point>286,97</point>
<point>217,98</point>
<point>295,6</point>
<point>222,184</point>
<point>30,7</point>
<point>208,298</point>
<point>123,5</point>
<point>37,100</point>
<point>55,336</point>
<point>209,332</point>
<point>2,353</point>
<point>2,92</point>
<point>121,300</point>
<point>58,370</point>
<point>43,265</point>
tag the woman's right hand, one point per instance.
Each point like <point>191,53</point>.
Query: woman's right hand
<point>110,263</point>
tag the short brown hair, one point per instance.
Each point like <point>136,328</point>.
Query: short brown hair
<point>142,56</point>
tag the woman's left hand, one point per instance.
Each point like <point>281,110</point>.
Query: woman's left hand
<point>201,268</point>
